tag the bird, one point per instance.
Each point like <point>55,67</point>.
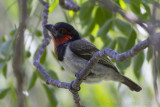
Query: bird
<point>73,52</point>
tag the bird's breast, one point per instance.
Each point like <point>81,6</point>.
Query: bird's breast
<point>71,62</point>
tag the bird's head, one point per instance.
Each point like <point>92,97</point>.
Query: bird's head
<point>62,32</point>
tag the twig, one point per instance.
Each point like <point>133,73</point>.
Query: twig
<point>150,29</point>
<point>69,5</point>
<point>39,54</point>
<point>154,39</point>
<point>18,52</point>
<point>114,8</point>
<point>155,78</point>
<point>156,49</point>
<point>113,54</point>
<point>75,85</point>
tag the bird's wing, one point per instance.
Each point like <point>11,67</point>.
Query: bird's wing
<point>86,50</point>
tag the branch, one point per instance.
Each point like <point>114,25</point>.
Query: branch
<point>155,67</point>
<point>114,8</point>
<point>74,86</point>
<point>18,52</point>
<point>113,54</point>
<point>156,46</point>
<point>69,5</point>
<point>39,54</point>
<point>150,29</point>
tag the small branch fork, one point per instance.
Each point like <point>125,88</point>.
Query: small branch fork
<point>114,8</point>
<point>69,5</point>
<point>74,86</point>
<point>154,38</point>
<point>47,40</point>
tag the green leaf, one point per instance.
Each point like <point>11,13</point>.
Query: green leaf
<point>121,44</point>
<point>122,65</point>
<point>135,6</point>
<point>89,28</point>
<point>2,64</point>
<point>147,14</point>
<point>52,74</point>
<point>123,27</point>
<point>85,13</point>
<point>43,58</point>
<point>13,93</point>
<point>138,62</point>
<point>4,38</point>
<point>32,81</point>
<point>86,10</point>
<point>3,92</point>
<point>105,28</point>
<point>146,6</point>
<point>62,68</point>
<point>106,40</point>
<point>131,40</point>
<point>39,75</point>
<point>85,22</point>
<point>102,15</point>
<point>51,97</point>
<point>5,71</point>
<point>91,38</point>
<point>112,44</point>
<point>53,5</point>
<point>149,53</point>
<point>13,32</point>
<point>6,48</point>
<point>27,54</point>
<point>38,33</point>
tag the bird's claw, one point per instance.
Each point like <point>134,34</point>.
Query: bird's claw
<point>73,89</point>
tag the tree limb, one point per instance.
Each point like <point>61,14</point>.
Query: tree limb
<point>154,39</point>
<point>155,74</point>
<point>18,52</point>
<point>74,86</point>
<point>114,55</point>
<point>39,54</point>
<point>114,8</point>
<point>69,5</point>
<point>156,49</point>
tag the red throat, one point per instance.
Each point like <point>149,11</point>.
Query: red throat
<point>59,41</point>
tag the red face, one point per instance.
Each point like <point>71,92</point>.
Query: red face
<point>61,40</point>
<point>64,37</point>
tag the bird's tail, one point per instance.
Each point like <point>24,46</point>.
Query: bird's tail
<point>132,85</point>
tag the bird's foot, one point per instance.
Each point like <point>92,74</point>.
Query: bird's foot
<point>74,89</point>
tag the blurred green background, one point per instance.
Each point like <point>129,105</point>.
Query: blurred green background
<point>104,28</point>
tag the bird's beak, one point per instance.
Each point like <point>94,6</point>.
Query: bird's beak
<point>52,29</point>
